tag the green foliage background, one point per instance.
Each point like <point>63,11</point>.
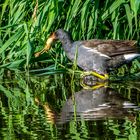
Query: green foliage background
<point>26,24</point>
<point>24,27</point>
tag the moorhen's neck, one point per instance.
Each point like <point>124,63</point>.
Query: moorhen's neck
<point>65,39</point>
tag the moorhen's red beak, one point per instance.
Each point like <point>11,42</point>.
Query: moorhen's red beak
<point>49,41</point>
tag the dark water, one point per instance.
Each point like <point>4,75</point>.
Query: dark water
<point>57,107</point>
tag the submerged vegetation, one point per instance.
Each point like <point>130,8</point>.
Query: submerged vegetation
<point>25,26</point>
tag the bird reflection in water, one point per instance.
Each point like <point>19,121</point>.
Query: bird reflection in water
<point>93,104</point>
<point>98,103</point>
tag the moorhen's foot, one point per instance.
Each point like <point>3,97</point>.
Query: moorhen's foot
<point>91,82</point>
<point>95,75</point>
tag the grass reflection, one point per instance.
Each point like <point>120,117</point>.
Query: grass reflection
<point>31,106</point>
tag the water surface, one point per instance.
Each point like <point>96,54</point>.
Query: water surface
<point>57,107</point>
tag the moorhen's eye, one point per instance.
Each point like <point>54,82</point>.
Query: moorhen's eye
<point>57,35</point>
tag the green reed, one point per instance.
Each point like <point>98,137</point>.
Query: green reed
<point>25,26</point>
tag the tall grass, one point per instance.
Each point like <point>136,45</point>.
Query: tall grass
<point>25,26</point>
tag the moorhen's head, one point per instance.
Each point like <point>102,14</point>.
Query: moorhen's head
<point>61,35</point>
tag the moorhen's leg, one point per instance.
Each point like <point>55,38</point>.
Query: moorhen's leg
<point>102,77</point>
<point>96,85</point>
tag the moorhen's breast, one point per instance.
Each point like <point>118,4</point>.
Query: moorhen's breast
<point>88,59</point>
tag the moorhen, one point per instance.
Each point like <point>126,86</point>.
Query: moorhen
<point>95,55</point>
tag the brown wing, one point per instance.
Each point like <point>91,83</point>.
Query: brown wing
<point>112,47</point>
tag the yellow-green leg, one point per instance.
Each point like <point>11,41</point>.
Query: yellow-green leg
<point>102,77</point>
<point>97,85</point>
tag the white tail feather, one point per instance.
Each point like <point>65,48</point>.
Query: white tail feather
<point>131,56</point>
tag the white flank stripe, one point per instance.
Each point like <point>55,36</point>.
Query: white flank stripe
<point>96,51</point>
<point>131,56</point>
